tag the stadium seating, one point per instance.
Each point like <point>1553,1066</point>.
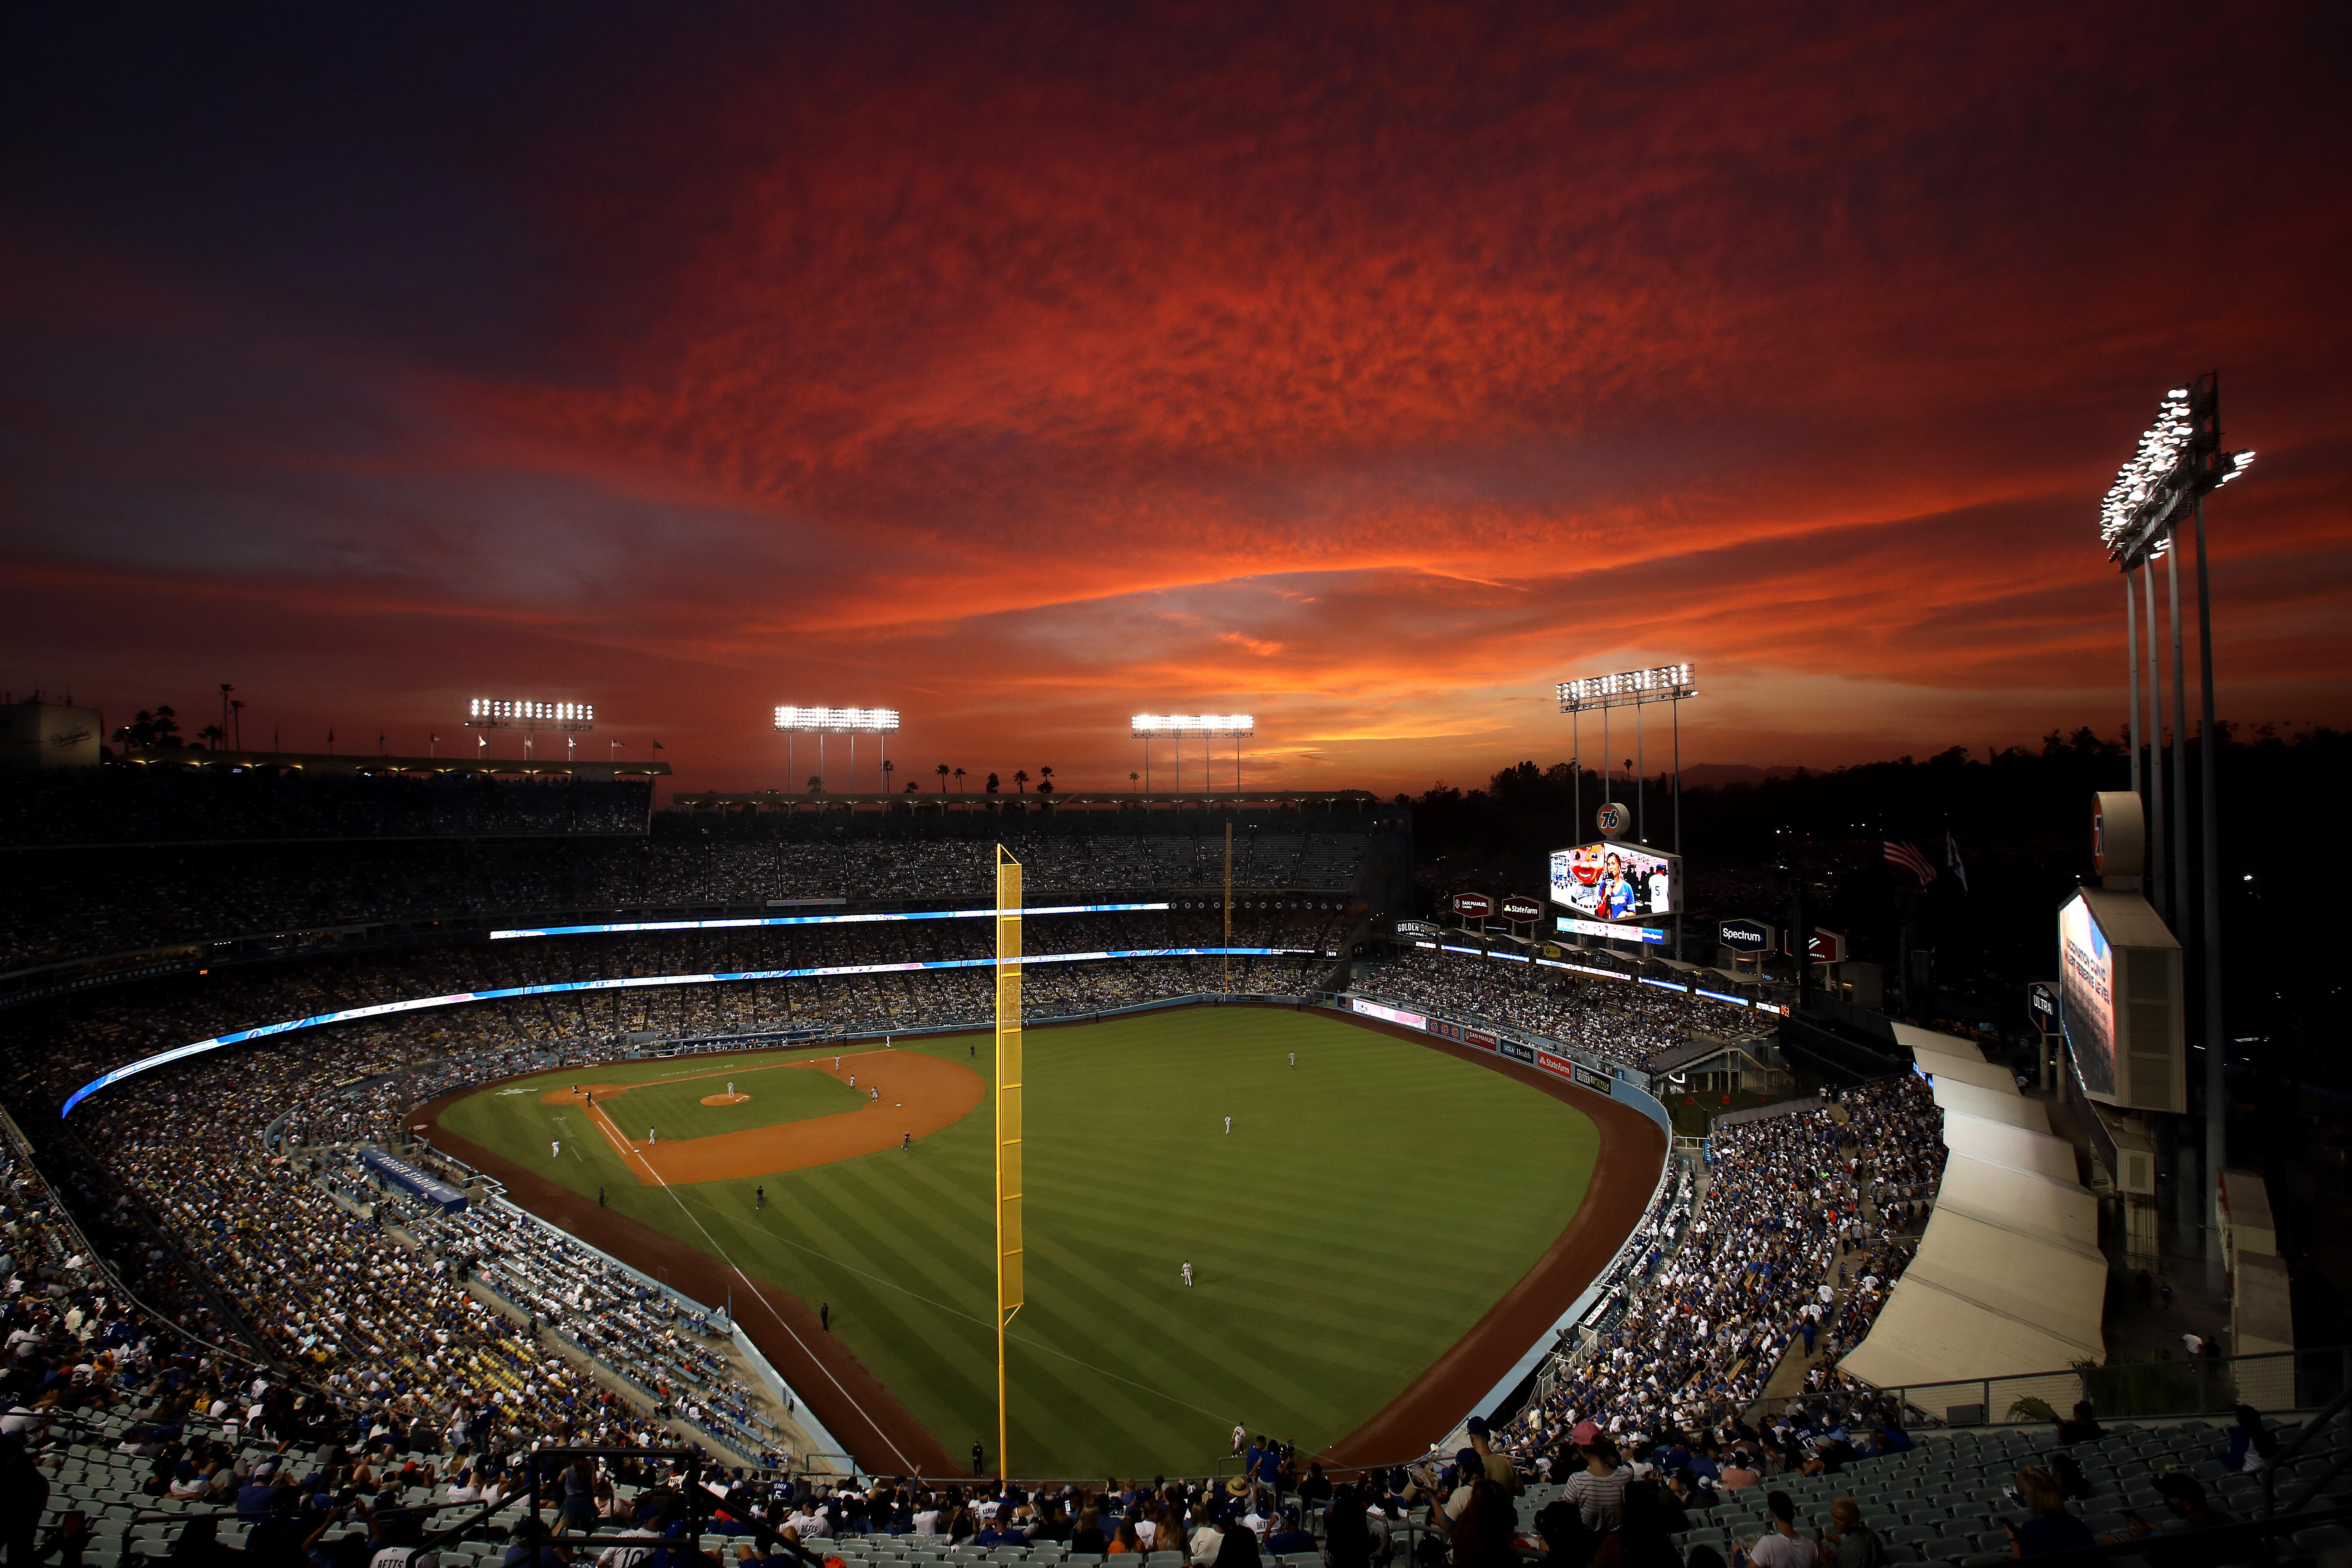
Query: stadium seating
<point>1625,1023</point>
<point>531,857</point>
<point>1795,1204</point>
<point>229,1199</point>
<point>1944,1500</point>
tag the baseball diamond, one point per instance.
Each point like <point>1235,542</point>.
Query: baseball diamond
<point>1327,1283</point>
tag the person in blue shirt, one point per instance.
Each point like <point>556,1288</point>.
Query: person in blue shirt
<point>253,1499</point>
<point>1268,1471</point>
<point>2250,1442</point>
<point>1288,1537</point>
<point>1000,1532</point>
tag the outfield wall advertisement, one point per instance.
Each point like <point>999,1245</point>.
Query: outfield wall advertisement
<point>1388,1015</point>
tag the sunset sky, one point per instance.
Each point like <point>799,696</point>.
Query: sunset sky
<point>1368,368</point>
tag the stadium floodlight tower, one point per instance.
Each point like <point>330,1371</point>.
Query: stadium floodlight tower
<point>529,716</point>
<point>1636,689</point>
<point>850,721</point>
<point>1149,727</point>
<point>2178,463</point>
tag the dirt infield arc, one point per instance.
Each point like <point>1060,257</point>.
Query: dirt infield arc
<point>915,1095</point>
<point>886,1437</point>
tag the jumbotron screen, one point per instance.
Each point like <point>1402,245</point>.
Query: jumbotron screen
<point>2089,992</point>
<point>1607,882</point>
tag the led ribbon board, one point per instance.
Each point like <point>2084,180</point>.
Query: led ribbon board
<point>624,926</point>
<point>506,992</point>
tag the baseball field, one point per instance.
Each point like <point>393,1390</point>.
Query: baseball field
<point>1368,1205</point>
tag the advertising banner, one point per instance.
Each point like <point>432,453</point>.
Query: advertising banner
<point>1517,1052</point>
<point>1558,1066</point>
<point>1388,1015</point>
<point>1601,1082</point>
<point>1521,909</point>
<point>1478,1037</point>
<point>1654,935</point>
<point>410,1180</point>
<point>1443,1030</point>
<point>1616,881</point>
<point>1471,906</point>
<point>1747,937</point>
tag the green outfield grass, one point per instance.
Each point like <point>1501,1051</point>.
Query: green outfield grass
<point>1368,1207</point>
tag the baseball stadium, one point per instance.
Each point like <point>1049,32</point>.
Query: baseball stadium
<point>875,1154</point>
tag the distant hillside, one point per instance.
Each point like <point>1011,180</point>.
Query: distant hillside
<point>1698,775</point>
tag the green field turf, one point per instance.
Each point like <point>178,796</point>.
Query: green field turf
<point>1368,1209</point>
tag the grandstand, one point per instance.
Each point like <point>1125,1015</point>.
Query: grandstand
<point>208,1250</point>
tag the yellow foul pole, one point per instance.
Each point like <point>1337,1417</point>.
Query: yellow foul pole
<point>1008,1122</point>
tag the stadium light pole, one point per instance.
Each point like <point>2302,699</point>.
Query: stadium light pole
<point>529,716</point>
<point>2179,462</point>
<point>823,721</point>
<point>1634,688</point>
<point>1145,727</point>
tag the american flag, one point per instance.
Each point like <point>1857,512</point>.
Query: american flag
<point>1905,853</point>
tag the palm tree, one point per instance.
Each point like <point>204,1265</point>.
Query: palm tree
<point>889,767</point>
<point>1020,780</point>
<point>959,778</point>
<point>211,735</point>
<point>992,785</point>
<point>942,770</point>
<point>1134,778</point>
<point>1045,774</point>
<point>816,784</point>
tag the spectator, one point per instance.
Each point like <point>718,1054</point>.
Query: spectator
<point>1851,1543</point>
<point>2252,1443</point>
<point>2048,1527</point>
<point>1779,1547</point>
<point>2083,1427</point>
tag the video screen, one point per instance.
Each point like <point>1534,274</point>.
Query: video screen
<point>1616,881</point>
<point>2089,988</point>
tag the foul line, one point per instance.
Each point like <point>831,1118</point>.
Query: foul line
<point>968,1317</point>
<point>754,1292</point>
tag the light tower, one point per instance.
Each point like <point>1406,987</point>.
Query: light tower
<point>1636,689</point>
<point>529,716</point>
<point>1149,727</point>
<point>823,721</point>
<point>2179,462</point>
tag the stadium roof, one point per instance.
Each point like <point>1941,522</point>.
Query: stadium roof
<point>342,763</point>
<point>2009,1278</point>
<point>777,799</point>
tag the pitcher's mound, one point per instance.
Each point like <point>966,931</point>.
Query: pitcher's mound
<point>725,1098</point>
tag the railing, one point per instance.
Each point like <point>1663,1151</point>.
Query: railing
<point>2204,1385</point>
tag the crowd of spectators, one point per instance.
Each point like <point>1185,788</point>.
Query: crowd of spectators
<point>1623,1020</point>
<point>162,804</point>
<point>104,1028</point>
<point>123,900</point>
<point>1792,1202</point>
<point>381,1312</point>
